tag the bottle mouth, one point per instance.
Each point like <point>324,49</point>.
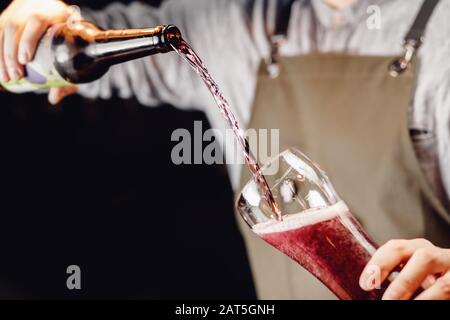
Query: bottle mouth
<point>173,35</point>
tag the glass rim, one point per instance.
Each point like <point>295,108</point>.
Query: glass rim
<point>297,153</point>
<point>292,150</point>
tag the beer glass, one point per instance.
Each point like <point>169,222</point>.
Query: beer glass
<point>317,229</point>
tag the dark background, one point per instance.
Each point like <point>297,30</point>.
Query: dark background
<point>91,183</point>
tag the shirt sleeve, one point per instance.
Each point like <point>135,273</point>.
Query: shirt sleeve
<point>442,122</point>
<point>229,35</point>
<point>431,103</point>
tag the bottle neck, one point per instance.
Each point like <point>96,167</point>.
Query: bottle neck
<point>116,46</point>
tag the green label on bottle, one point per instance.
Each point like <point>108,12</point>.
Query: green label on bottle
<point>36,82</point>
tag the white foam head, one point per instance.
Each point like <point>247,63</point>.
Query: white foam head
<point>301,219</point>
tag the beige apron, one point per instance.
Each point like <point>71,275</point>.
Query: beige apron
<point>350,116</point>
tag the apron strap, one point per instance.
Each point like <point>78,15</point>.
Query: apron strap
<point>279,35</point>
<point>414,39</point>
<point>283,17</point>
<point>412,42</point>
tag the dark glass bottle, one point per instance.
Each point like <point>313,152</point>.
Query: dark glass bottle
<point>82,52</point>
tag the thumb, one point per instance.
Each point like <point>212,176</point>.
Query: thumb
<point>56,95</point>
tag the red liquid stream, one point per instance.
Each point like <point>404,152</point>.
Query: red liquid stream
<point>187,53</point>
<point>334,250</point>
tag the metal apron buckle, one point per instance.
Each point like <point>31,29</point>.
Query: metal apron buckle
<point>400,65</point>
<point>272,65</point>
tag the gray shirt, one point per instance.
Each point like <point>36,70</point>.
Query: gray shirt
<point>231,37</point>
